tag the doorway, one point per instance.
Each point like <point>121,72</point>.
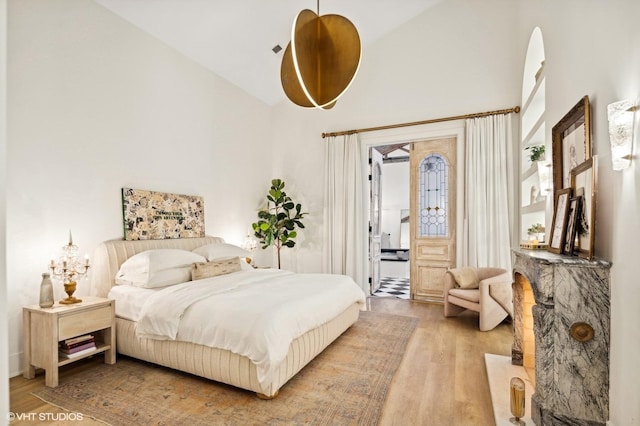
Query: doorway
<point>416,236</point>
<point>393,265</point>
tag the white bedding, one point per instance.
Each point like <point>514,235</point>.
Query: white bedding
<point>129,300</point>
<point>256,314</point>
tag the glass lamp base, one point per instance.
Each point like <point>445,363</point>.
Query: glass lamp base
<point>517,421</point>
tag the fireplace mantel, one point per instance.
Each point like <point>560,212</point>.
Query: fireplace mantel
<point>571,376</point>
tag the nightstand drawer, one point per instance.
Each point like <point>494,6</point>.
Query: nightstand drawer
<point>84,322</point>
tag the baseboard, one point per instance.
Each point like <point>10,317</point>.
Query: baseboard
<point>15,364</point>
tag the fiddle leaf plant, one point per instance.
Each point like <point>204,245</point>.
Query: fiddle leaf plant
<point>277,222</point>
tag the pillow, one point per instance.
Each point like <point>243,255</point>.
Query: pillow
<point>221,250</point>
<point>465,277</point>
<point>213,269</point>
<point>157,268</point>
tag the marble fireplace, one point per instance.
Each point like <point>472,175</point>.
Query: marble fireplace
<point>570,315</point>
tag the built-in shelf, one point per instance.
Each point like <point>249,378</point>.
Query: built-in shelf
<point>533,133</point>
<point>536,134</point>
<point>538,206</point>
<point>538,86</point>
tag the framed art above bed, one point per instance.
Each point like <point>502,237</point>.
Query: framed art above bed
<point>150,215</point>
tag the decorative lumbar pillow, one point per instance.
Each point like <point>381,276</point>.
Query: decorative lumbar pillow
<point>221,250</point>
<point>465,277</point>
<point>217,267</point>
<point>157,268</point>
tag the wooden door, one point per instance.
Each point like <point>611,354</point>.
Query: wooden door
<point>433,216</point>
<point>375,224</point>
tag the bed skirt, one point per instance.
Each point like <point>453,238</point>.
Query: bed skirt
<point>225,366</point>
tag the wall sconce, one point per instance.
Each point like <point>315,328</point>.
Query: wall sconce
<point>544,174</point>
<point>621,121</point>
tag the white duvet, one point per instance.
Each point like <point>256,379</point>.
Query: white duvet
<point>256,314</point>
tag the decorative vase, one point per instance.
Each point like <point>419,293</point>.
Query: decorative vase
<point>46,291</point>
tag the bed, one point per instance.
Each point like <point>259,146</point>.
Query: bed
<point>167,345</point>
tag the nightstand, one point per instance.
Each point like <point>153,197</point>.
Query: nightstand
<point>44,328</point>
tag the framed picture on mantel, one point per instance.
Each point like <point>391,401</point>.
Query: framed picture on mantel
<point>559,225</point>
<point>584,180</point>
<point>571,143</point>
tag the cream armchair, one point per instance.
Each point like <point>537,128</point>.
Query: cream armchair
<point>492,298</point>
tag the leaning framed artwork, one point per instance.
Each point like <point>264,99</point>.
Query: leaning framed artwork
<point>584,182</point>
<point>150,215</point>
<point>573,213</point>
<point>558,227</point>
<point>571,142</point>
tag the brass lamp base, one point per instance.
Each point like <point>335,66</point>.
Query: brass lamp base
<point>70,300</point>
<point>70,288</point>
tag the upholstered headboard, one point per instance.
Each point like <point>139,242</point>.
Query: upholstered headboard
<point>109,256</point>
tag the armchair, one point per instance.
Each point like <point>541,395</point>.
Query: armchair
<point>492,298</point>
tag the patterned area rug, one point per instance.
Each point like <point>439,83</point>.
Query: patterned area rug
<point>345,385</point>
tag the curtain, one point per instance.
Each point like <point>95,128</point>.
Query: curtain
<point>489,195</point>
<point>345,250</point>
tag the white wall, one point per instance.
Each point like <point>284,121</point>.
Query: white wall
<point>4,330</point>
<point>94,105</point>
<point>592,48</point>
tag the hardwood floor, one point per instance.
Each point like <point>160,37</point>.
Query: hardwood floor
<point>442,379</point>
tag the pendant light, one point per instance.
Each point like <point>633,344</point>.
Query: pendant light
<point>321,60</point>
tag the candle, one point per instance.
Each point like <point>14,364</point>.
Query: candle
<point>86,260</point>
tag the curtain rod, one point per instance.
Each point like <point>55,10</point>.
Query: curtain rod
<point>417,123</point>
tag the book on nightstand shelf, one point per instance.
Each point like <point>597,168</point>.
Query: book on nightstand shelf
<point>78,353</point>
<point>78,339</point>
<point>76,346</point>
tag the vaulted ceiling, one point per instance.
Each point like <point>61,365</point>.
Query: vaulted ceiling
<point>235,39</point>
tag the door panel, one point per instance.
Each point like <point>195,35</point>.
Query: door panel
<point>433,216</point>
<point>375,220</point>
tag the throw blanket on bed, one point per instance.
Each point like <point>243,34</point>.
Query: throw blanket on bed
<point>256,314</point>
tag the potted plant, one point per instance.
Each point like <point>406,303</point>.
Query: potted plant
<point>537,229</point>
<point>536,153</point>
<point>277,222</point>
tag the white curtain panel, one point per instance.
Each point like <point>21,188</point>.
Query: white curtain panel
<point>345,209</point>
<point>488,192</point>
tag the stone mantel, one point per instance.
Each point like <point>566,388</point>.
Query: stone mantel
<point>571,376</point>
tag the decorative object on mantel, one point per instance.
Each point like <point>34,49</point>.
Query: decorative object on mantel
<point>46,291</point>
<point>584,181</point>
<point>536,233</point>
<point>530,245</point>
<point>559,223</point>
<point>150,215</point>
<point>279,219</point>
<point>571,139</point>
<point>516,391</point>
<point>322,59</point>
<point>68,268</point>
<point>621,123</point>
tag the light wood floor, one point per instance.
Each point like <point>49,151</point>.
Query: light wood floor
<point>442,379</point>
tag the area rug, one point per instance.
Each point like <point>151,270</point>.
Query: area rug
<point>345,385</point>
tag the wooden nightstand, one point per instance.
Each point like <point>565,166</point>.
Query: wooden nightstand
<point>44,328</point>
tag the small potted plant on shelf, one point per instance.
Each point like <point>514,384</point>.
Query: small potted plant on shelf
<point>536,233</point>
<point>536,153</point>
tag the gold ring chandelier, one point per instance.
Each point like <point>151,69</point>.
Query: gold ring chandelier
<point>321,60</point>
